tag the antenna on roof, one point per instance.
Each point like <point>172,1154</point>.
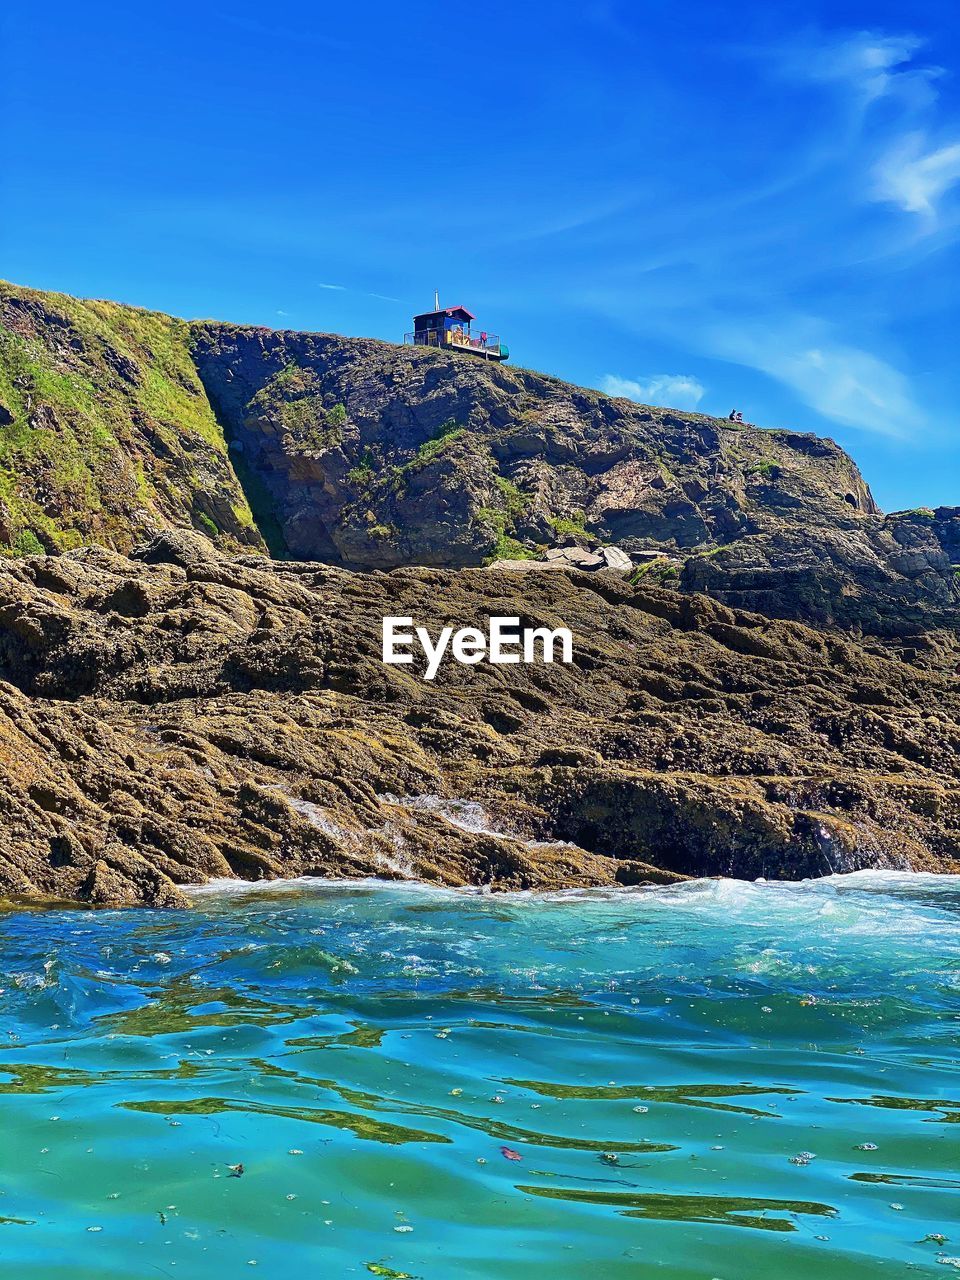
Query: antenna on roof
<point>436,299</point>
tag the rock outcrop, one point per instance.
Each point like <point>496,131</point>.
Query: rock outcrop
<point>375,455</point>
<point>583,559</point>
<point>184,714</point>
<point>119,423</point>
<point>893,576</point>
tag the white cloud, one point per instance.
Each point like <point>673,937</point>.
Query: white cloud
<point>678,390</point>
<point>850,386</point>
<point>889,152</point>
<point>843,383</point>
<point>872,64</point>
<point>804,272</point>
<point>914,177</point>
<point>875,64</point>
<point>342,288</point>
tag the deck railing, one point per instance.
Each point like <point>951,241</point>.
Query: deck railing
<point>482,343</point>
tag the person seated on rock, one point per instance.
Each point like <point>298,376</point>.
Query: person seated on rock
<point>739,417</point>
<point>733,415</point>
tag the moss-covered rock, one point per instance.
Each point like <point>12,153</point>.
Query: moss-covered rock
<point>106,433</point>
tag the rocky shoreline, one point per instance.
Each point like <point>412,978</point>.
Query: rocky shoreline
<point>183,714</point>
<point>203,525</point>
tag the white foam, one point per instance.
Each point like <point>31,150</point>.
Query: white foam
<point>714,895</point>
<point>227,886</point>
<point>468,815</point>
<point>316,816</point>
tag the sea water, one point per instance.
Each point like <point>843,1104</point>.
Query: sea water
<point>720,1081</point>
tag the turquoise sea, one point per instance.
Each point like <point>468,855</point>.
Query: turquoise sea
<point>720,1081</point>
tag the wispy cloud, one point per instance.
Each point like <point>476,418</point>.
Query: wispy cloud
<point>844,383</point>
<point>791,273</point>
<point>342,288</point>
<point>911,172</point>
<point>903,167</point>
<point>915,177</point>
<point>679,390</point>
<point>872,64</point>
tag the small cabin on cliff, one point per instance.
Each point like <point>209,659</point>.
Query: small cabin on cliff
<point>453,328</point>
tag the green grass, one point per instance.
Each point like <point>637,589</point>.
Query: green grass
<point>447,434</point>
<point>661,571</point>
<point>442,441</point>
<point>501,521</point>
<point>765,467</point>
<point>363,472</point>
<point>26,543</point>
<point>108,419</point>
<point>508,548</point>
<point>564,526</point>
<point>294,398</point>
<point>515,501</point>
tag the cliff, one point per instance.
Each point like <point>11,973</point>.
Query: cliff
<point>106,433</point>
<point>373,456</point>
<point>376,455</point>
<point>116,424</point>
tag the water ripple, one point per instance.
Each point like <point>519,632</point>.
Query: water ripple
<point>713,1079</point>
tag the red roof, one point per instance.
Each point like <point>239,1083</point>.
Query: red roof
<point>447,311</point>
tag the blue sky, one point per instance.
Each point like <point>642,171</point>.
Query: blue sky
<point>711,206</point>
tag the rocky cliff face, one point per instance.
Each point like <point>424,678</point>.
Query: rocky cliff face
<point>893,576</point>
<point>376,455</point>
<point>183,714</point>
<point>106,433</point>
<point>117,423</point>
<point>373,456</point>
